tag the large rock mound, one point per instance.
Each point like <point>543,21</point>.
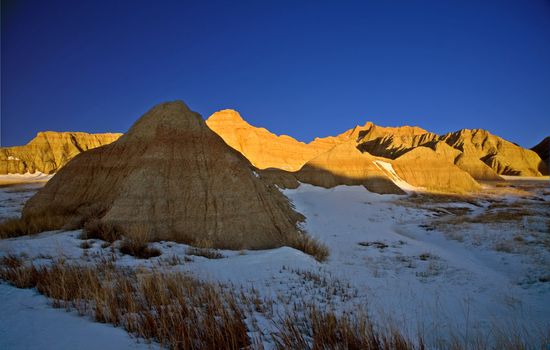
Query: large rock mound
<point>173,178</point>
<point>49,151</point>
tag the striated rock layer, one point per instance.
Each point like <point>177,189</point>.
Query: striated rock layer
<point>173,178</point>
<point>49,151</point>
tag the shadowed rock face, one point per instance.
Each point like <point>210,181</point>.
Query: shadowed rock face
<point>543,150</point>
<point>344,164</point>
<point>49,151</point>
<point>171,176</point>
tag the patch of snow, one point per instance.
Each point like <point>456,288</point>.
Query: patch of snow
<point>387,169</point>
<point>13,158</point>
<point>24,178</point>
<point>525,178</point>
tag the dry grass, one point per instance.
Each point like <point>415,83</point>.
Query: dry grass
<point>174,310</point>
<point>96,229</point>
<point>309,245</point>
<point>137,244</point>
<point>208,253</point>
<point>325,330</point>
<point>138,249</point>
<point>29,226</point>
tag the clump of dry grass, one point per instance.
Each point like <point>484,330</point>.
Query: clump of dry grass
<point>174,310</point>
<point>138,249</point>
<point>97,229</point>
<point>208,253</point>
<point>309,245</point>
<point>137,244</point>
<point>326,330</point>
<point>28,226</point>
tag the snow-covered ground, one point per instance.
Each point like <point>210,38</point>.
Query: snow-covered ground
<point>425,264</point>
<point>24,178</point>
<point>27,321</point>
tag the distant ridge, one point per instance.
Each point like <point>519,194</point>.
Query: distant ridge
<point>49,151</point>
<point>458,157</point>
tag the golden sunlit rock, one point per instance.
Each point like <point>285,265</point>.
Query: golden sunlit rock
<point>49,151</point>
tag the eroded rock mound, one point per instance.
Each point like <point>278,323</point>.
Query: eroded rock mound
<point>49,151</point>
<point>173,178</point>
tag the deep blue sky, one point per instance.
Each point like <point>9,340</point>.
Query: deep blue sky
<point>303,68</point>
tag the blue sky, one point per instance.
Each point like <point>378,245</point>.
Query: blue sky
<point>302,68</point>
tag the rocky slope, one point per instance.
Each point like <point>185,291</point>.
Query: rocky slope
<point>171,178</point>
<point>49,151</point>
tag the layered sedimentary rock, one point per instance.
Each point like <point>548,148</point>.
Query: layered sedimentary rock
<point>504,157</point>
<point>263,148</point>
<point>423,167</point>
<point>173,178</point>
<point>391,142</point>
<point>465,161</point>
<point>49,151</point>
<point>543,150</point>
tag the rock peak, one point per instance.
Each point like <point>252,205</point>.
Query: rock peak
<point>169,116</point>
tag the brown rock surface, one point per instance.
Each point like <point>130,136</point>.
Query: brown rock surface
<point>423,167</point>
<point>173,177</point>
<point>49,151</point>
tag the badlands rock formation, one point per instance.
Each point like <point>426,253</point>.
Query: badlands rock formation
<point>477,152</point>
<point>543,150</point>
<point>263,148</point>
<point>173,178</point>
<point>49,151</point>
<point>504,157</point>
